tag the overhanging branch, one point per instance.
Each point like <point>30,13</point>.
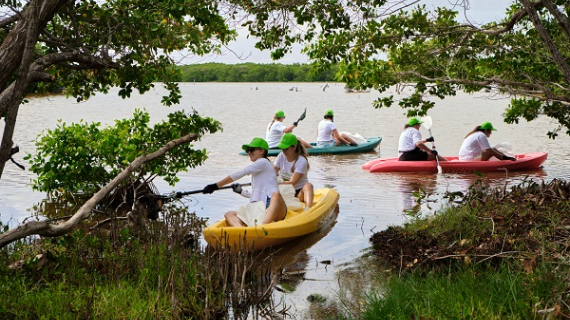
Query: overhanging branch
<point>46,229</point>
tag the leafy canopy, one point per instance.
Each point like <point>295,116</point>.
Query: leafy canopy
<point>431,51</point>
<point>83,157</point>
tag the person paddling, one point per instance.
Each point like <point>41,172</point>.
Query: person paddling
<point>327,133</point>
<point>476,146</point>
<point>293,165</point>
<point>276,129</point>
<point>411,146</point>
<point>264,184</point>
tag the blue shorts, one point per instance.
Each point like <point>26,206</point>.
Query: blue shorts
<point>326,144</point>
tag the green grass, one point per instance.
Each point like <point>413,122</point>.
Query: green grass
<point>500,254</point>
<point>122,276</point>
<point>465,293</point>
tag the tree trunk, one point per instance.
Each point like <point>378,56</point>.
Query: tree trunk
<point>548,42</point>
<point>16,54</point>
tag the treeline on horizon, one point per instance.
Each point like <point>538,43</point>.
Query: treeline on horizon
<point>253,72</point>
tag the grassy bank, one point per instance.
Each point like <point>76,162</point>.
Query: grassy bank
<point>112,274</point>
<point>500,254</point>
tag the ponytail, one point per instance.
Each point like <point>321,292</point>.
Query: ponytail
<point>477,128</point>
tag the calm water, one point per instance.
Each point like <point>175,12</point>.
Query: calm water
<point>368,203</point>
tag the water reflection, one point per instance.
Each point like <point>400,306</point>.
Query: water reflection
<point>412,188</point>
<point>368,202</point>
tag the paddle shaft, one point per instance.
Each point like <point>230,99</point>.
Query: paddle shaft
<point>427,122</point>
<point>185,193</point>
<point>439,169</point>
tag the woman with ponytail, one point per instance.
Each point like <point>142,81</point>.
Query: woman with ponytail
<point>476,146</point>
<point>276,129</point>
<point>293,165</point>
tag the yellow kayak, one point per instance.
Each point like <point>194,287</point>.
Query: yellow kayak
<point>297,223</point>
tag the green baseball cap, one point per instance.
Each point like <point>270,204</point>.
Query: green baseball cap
<point>487,126</point>
<point>256,143</point>
<point>329,112</point>
<point>287,140</point>
<point>414,121</point>
<point>280,114</point>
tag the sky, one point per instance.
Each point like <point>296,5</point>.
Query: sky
<point>243,49</point>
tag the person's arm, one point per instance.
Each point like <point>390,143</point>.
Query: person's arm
<point>215,186</point>
<point>294,179</point>
<point>423,147</point>
<point>289,129</point>
<point>499,155</point>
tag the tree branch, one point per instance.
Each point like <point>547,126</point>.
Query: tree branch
<point>44,228</point>
<point>556,55</point>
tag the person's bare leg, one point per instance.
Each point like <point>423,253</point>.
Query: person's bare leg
<point>488,153</point>
<point>307,194</point>
<point>432,157</point>
<point>277,209</point>
<point>347,138</point>
<point>232,219</point>
<point>306,144</point>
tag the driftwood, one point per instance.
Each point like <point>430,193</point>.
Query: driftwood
<point>47,229</point>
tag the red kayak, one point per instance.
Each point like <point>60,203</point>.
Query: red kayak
<point>453,164</point>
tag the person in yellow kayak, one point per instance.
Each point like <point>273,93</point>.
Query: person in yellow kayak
<point>293,165</point>
<point>476,146</point>
<point>411,146</point>
<point>264,184</point>
<point>327,133</point>
<point>276,129</point>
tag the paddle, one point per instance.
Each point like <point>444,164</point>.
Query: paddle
<point>180,194</point>
<point>427,124</point>
<point>300,118</point>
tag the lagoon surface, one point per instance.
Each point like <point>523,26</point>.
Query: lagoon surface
<point>368,202</point>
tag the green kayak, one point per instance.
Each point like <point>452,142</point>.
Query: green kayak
<point>369,145</point>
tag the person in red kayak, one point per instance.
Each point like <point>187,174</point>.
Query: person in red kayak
<point>476,146</point>
<point>264,185</point>
<point>411,146</point>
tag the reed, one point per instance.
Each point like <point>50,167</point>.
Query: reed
<point>161,273</point>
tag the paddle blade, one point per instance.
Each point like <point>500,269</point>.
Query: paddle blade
<point>303,115</point>
<point>426,122</point>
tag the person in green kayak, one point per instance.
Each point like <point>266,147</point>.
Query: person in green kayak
<point>327,133</point>
<point>293,165</point>
<point>411,146</point>
<point>276,129</point>
<point>476,146</point>
<point>264,184</point>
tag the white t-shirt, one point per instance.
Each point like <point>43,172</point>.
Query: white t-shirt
<point>274,133</point>
<point>285,166</point>
<point>408,140</point>
<point>473,146</point>
<point>325,129</point>
<point>263,179</point>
